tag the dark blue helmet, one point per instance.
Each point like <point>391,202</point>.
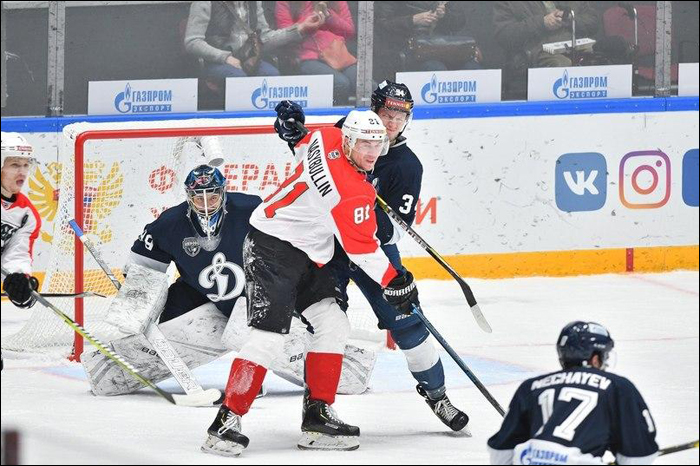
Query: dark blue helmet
<point>206,195</point>
<point>579,341</point>
<point>391,95</point>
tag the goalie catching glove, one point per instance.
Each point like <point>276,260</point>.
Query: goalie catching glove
<point>401,292</point>
<point>19,287</point>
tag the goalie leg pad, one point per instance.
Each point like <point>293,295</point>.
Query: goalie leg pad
<point>196,336</point>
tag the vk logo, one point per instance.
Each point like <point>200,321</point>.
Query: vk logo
<point>580,182</point>
<point>690,178</point>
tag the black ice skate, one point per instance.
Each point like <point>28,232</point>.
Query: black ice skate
<point>322,430</point>
<point>445,411</point>
<point>225,436</point>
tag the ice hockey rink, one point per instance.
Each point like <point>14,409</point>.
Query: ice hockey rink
<point>652,317</point>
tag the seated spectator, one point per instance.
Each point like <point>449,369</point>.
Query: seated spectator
<point>230,38</point>
<point>397,24</point>
<point>522,27</point>
<point>324,51</point>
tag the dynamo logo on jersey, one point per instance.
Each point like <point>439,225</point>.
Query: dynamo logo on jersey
<point>448,92</point>
<point>267,97</point>
<point>215,275</point>
<point>144,101</point>
<point>580,87</point>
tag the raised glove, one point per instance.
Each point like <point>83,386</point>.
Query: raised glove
<point>288,113</point>
<point>401,292</point>
<point>19,287</point>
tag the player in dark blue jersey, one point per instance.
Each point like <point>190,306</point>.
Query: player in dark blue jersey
<point>204,238</point>
<point>397,176</point>
<point>575,415</point>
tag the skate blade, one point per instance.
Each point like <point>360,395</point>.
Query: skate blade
<point>318,441</point>
<point>215,446</point>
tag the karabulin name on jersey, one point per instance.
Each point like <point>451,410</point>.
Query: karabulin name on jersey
<point>317,171</point>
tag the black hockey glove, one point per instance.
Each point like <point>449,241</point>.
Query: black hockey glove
<point>19,287</point>
<point>402,293</point>
<point>288,113</point>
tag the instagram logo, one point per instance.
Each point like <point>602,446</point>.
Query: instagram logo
<point>645,179</point>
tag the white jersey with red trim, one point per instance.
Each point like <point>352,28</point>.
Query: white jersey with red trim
<point>20,228</point>
<point>324,198</point>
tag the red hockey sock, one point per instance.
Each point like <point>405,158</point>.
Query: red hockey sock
<point>323,375</point>
<point>243,385</point>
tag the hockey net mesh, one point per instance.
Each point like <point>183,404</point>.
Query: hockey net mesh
<point>128,181</point>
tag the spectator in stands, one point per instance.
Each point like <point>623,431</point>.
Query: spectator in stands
<point>522,27</point>
<point>398,24</point>
<point>324,51</point>
<point>230,38</point>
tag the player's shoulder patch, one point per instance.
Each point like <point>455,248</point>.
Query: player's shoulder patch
<point>334,154</point>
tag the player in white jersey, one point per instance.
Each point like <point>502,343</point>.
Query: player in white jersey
<point>291,240</point>
<point>20,221</point>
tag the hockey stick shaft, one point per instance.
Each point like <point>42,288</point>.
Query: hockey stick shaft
<point>84,294</point>
<point>466,289</point>
<point>677,448</point>
<point>101,347</point>
<point>153,334</point>
<point>460,362</point>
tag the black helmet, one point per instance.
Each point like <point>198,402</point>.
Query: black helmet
<point>394,96</point>
<point>579,341</point>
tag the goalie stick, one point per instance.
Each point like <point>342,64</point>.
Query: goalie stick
<point>197,399</point>
<point>468,294</point>
<point>153,334</point>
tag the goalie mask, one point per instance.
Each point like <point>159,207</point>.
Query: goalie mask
<point>206,196</point>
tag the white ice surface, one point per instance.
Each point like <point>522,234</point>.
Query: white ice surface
<point>653,319</point>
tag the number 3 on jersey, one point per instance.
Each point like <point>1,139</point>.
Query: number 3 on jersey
<point>361,214</point>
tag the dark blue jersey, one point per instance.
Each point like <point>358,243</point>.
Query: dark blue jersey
<point>216,274</point>
<point>398,176</point>
<point>560,417</point>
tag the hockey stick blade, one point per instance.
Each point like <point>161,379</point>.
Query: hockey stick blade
<point>204,398</point>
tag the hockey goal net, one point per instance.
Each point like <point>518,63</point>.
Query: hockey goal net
<point>113,179</point>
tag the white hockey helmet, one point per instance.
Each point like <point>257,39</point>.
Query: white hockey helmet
<point>364,125</point>
<point>15,145</point>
